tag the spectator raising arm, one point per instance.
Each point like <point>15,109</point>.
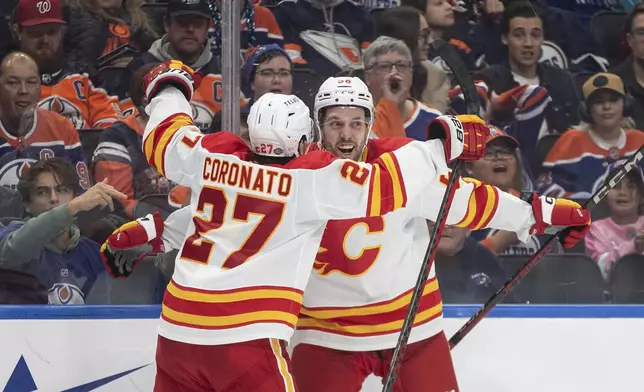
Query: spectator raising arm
<point>22,245</point>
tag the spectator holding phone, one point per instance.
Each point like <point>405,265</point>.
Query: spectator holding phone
<point>622,233</point>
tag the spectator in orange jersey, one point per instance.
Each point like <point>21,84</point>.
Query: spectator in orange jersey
<point>29,134</point>
<point>66,87</point>
<point>118,158</point>
<point>98,27</point>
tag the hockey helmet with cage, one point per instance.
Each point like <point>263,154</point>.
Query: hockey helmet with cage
<point>277,123</point>
<point>343,91</point>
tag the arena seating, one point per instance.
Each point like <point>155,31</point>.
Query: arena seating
<point>558,279</point>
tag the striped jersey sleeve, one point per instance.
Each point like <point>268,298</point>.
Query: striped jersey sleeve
<point>477,206</point>
<point>345,189</point>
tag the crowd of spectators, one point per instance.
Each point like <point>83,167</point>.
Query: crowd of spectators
<point>562,83</point>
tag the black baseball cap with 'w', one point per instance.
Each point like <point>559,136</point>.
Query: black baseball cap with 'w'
<point>189,7</point>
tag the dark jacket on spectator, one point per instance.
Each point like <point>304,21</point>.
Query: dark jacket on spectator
<point>568,42</point>
<point>561,114</point>
<point>470,276</point>
<point>627,73</point>
<point>87,37</point>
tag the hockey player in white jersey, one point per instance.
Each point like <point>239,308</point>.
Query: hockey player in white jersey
<point>254,230</point>
<point>365,269</point>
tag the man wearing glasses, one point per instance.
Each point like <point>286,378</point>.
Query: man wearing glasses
<point>388,74</point>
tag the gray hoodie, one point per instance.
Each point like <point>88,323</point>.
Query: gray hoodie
<point>160,49</point>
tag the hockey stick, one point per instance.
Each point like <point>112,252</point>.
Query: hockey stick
<point>449,55</point>
<point>610,183</point>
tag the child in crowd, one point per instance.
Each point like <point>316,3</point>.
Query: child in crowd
<point>622,233</point>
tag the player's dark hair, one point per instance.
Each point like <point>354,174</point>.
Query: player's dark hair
<point>635,12</point>
<point>518,9</point>
<point>62,170</point>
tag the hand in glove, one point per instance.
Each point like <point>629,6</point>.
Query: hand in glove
<point>171,73</point>
<point>564,213</point>
<point>464,137</point>
<point>131,242</point>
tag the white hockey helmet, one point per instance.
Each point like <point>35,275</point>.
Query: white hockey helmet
<point>343,91</point>
<point>276,125</point>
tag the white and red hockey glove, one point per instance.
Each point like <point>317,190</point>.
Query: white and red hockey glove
<point>171,73</point>
<point>464,137</point>
<point>130,243</point>
<point>563,213</point>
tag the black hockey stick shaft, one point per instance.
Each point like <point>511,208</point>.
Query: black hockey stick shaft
<point>448,54</point>
<point>610,183</point>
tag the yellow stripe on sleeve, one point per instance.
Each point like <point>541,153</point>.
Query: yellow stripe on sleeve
<point>395,180</point>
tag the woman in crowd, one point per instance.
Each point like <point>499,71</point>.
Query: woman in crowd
<point>622,233</point>
<point>502,167</point>
<point>99,27</point>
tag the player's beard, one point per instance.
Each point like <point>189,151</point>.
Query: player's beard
<point>354,155</point>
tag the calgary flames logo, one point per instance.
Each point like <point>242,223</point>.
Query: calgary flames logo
<point>343,248</point>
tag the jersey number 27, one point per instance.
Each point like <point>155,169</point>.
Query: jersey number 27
<point>198,249</point>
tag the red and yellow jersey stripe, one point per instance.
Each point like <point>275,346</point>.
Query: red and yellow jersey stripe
<point>483,204</point>
<point>226,309</point>
<point>374,319</point>
<point>387,187</point>
<point>157,141</point>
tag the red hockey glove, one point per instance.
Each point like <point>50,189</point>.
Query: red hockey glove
<point>549,211</point>
<point>464,136</point>
<point>130,243</point>
<point>171,73</point>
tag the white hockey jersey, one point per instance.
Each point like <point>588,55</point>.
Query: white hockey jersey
<point>366,269</point>
<point>254,230</point>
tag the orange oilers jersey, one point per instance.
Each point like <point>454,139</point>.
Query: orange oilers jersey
<point>254,230</point>
<point>50,135</point>
<point>366,269</point>
<point>71,93</point>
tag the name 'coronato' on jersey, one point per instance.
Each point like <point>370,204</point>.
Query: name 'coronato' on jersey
<point>254,230</point>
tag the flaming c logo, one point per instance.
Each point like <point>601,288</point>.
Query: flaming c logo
<point>341,250</point>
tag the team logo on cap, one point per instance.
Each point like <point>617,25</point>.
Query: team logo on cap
<point>43,6</point>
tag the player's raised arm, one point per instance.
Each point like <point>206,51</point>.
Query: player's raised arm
<point>478,206</point>
<point>347,189</point>
<point>171,141</point>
